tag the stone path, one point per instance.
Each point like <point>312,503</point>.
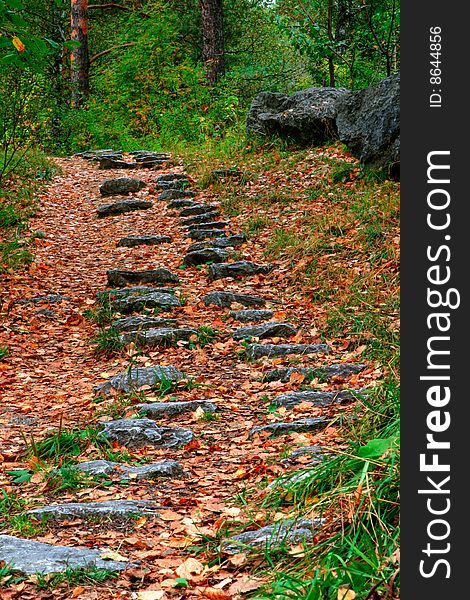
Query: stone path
<point>180,365</point>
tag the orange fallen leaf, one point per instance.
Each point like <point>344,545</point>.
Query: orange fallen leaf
<point>189,567</point>
<point>215,594</point>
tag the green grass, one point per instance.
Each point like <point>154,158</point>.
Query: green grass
<point>107,343</point>
<point>74,577</point>
<point>4,350</point>
<point>206,335</point>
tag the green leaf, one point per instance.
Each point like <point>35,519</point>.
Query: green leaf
<point>20,475</point>
<point>181,582</point>
<point>376,448</point>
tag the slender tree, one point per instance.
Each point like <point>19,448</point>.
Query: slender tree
<point>80,61</point>
<point>213,40</point>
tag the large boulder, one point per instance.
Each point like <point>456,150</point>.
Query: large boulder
<point>307,117</point>
<point>368,122</point>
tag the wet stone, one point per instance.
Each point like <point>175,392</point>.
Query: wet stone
<point>131,304</point>
<point>317,398</point>
<point>158,337</point>
<point>168,468</point>
<point>196,209</point>
<point>271,537</point>
<point>143,240</point>
<point>226,299</point>
<point>123,206</point>
<point>200,257</point>
<point>170,409</point>
<point>121,185</point>
<point>231,241</point>
<point>274,350</point>
<point>137,433</point>
<point>204,234</point>
<point>173,193</point>
<point>107,162</point>
<point>133,379</point>
<point>267,330</point>
<point>197,219</point>
<point>121,278</point>
<point>182,203</point>
<point>248,316</point>
<point>134,290</point>
<point>275,429</point>
<point>51,299</point>
<point>84,510</point>
<point>343,370</point>
<point>140,323</point>
<point>237,269</point>
<point>31,557</point>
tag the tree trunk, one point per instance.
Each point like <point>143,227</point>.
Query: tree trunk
<point>212,40</point>
<point>79,56</point>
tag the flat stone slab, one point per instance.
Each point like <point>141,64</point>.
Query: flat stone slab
<point>112,163</point>
<point>273,350</point>
<point>51,299</point>
<point>196,209</point>
<point>143,240</point>
<point>271,537</point>
<point>140,323</point>
<point>200,257</point>
<point>266,330</point>
<point>137,433</point>
<point>167,468</point>
<point>317,398</point>
<point>31,557</point>
<point>221,173</point>
<point>170,178</point>
<point>197,219</point>
<point>85,510</point>
<point>133,379</point>
<point>158,337</point>
<point>204,234</point>
<point>172,193</point>
<point>208,225</point>
<point>121,185</point>
<point>309,424</point>
<point>123,206</point>
<point>247,316</point>
<point>343,370</point>
<point>226,299</point>
<point>231,241</point>
<point>170,409</point>
<point>182,203</point>
<point>89,154</point>
<point>134,290</point>
<point>121,278</point>
<point>240,268</point>
<point>131,304</point>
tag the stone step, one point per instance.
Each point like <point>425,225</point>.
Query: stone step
<point>170,409</point>
<point>229,172</point>
<point>204,218</point>
<point>86,510</point>
<point>231,241</point>
<point>283,428</point>
<point>50,299</point>
<point>134,378</point>
<point>121,185</point>
<point>137,433</point>
<point>174,184</point>
<point>166,336</point>
<point>182,203</point>
<point>149,162</point>
<point>200,257</point>
<point>137,303</point>
<point>342,370</point>
<point>226,299</point>
<point>173,193</point>
<point>143,240</point>
<point>150,153</point>
<point>247,316</point>
<point>196,209</point>
<point>170,178</point>
<point>315,453</point>
<point>141,323</point>
<point>120,277</point>
<point>204,234</point>
<point>30,557</point>
<point>107,162</point>
<point>275,350</point>
<point>266,330</point>
<point>89,154</point>
<point>123,206</point>
<point>208,225</point>
<point>167,468</point>
<point>272,537</point>
<point>134,290</point>
<point>237,269</point>
<point>318,398</point>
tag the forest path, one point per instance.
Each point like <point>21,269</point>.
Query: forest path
<point>48,382</point>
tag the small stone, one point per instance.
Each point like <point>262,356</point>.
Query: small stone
<point>158,337</point>
<point>317,398</point>
<point>143,240</point>
<point>85,510</point>
<point>51,299</point>
<point>170,409</point>
<point>197,219</point>
<point>196,209</point>
<point>230,172</point>
<point>140,323</point>
<point>226,299</point>
<point>172,194</point>
<point>342,370</point>
<point>168,468</point>
<point>137,433</point>
<point>230,241</point>
<point>274,350</point>
<point>134,378</point>
<point>203,234</point>
<point>134,290</point>
<point>182,203</point>
<point>121,185</point>
<point>131,304</point>
<point>237,269</point>
<point>121,278</point>
<point>267,330</point>
<point>111,163</point>
<point>247,316</point>
<point>123,206</point>
<point>30,557</point>
<point>200,257</point>
<point>309,424</point>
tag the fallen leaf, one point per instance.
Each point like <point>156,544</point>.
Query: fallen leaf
<point>216,594</point>
<point>150,595</point>
<point>245,584</point>
<point>346,594</point>
<point>112,555</point>
<point>189,567</point>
